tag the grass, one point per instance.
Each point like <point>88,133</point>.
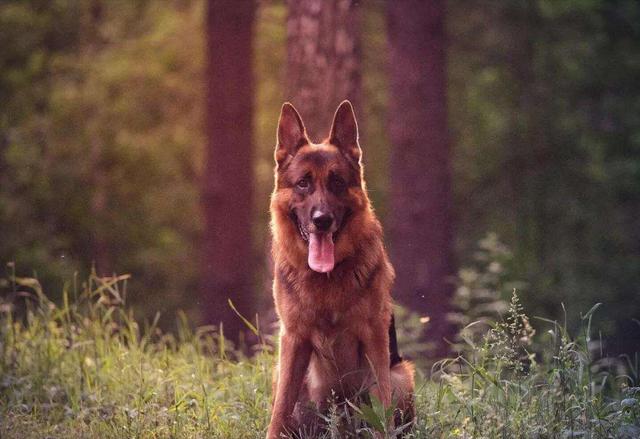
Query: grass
<point>86,368</point>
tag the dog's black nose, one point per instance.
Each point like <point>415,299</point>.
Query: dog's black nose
<point>322,221</point>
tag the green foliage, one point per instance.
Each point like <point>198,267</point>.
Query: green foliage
<point>105,167</point>
<point>544,101</point>
<point>372,117</point>
<point>101,144</point>
<point>409,334</point>
<point>479,299</point>
<point>87,368</point>
<point>503,389</point>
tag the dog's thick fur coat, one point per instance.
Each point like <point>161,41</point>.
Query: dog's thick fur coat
<point>332,280</point>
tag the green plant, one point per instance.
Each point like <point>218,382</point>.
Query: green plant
<point>482,287</point>
<point>87,368</point>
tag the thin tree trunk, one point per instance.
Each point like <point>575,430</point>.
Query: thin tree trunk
<point>100,247</point>
<point>99,203</point>
<point>323,60</point>
<point>421,200</point>
<point>227,265</point>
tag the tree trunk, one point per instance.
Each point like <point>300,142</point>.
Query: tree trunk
<point>227,265</point>
<point>101,248</point>
<point>421,230</point>
<point>323,60</point>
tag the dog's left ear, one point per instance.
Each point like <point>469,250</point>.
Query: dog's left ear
<point>344,131</point>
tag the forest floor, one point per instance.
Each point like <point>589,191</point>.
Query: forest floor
<point>87,369</point>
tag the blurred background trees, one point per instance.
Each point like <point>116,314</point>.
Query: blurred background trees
<point>103,140</point>
<point>227,193</point>
<point>421,216</point>
<point>129,101</point>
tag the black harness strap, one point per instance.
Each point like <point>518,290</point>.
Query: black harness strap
<point>393,343</point>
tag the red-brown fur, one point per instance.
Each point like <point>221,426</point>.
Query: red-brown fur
<point>334,326</point>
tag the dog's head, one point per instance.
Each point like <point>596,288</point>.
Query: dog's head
<point>319,187</point>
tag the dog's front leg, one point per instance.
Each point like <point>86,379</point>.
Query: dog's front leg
<point>376,349</point>
<point>294,360</point>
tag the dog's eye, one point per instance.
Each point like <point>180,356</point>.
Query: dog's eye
<point>337,184</point>
<point>303,183</point>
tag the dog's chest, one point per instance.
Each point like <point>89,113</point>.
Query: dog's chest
<point>336,346</point>
<point>329,320</point>
<point>334,335</point>
<point>326,306</point>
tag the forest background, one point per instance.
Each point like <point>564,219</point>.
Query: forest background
<point>104,151</point>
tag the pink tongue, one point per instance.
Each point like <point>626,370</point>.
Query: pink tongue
<point>321,258</point>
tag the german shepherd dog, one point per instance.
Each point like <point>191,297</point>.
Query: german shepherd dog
<point>332,280</point>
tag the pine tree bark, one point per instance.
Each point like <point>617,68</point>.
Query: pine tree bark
<point>227,265</point>
<point>323,60</point>
<point>421,230</point>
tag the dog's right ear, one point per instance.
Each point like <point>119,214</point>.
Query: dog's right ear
<point>291,134</point>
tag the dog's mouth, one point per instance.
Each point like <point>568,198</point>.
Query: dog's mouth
<point>321,245</point>
<point>321,256</point>
<point>304,233</point>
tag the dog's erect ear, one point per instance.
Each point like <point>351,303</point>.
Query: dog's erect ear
<point>291,134</point>
<point>344,131</point>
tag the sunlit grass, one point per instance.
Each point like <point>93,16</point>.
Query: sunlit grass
<point>86,368</point>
